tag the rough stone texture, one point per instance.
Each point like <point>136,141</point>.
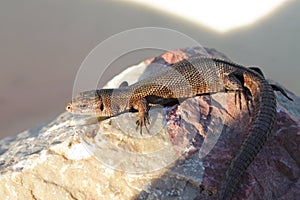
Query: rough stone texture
<point>190,145</point>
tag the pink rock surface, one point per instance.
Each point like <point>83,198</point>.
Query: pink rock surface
<point>48,156</point>
<point>275,172</point>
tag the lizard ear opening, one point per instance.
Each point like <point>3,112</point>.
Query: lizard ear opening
<point>101,107</point>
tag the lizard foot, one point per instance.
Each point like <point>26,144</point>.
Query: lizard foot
<point>280,89</point>
<point>247,96</point>
<point>142,121</point>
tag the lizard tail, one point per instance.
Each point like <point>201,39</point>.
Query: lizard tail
<point>262,124</point>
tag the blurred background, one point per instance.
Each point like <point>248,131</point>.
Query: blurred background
<point>43,43</point>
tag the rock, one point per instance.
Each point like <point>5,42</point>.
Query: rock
<point>188,145</point>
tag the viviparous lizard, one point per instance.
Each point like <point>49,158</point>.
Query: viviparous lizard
<point>188,78</point>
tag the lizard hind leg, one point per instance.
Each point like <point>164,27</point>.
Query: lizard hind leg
<point>281,90</point>
<point>258,70</point>
<point>275,87</point>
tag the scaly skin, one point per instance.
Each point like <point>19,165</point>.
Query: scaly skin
<point>263,121</point>
<point>188,78</point>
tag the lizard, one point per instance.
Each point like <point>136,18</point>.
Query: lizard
<point>188,78</point>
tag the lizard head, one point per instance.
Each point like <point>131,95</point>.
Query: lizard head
<point>87,103</point>
<point>84,103</point>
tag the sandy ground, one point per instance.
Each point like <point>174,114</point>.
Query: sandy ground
<point>43,43</point>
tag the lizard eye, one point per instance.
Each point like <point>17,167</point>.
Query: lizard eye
<point>69,107</point>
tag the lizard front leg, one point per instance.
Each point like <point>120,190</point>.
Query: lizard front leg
<point>142,106</point>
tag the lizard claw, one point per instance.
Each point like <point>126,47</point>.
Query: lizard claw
<point>237,97</point>
<point>142,121</point>
<point>247,97</point>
